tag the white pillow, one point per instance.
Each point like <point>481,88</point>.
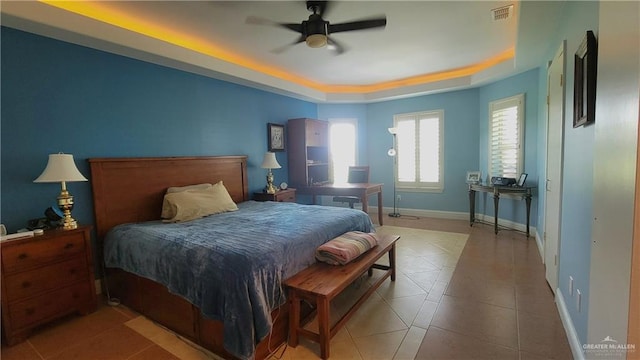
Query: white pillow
<point>196,203</point>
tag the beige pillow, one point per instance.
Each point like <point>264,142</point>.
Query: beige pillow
<point>167,212</point>
<point>175,189</point>
<point>196,203</point>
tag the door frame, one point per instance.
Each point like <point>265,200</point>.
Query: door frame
<point>560,53</point>
<point>633,335</point>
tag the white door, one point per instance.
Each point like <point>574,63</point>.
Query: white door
<point>553,203</point>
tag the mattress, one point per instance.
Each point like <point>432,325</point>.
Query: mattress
<point>232,265</point>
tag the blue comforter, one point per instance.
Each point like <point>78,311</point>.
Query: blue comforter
<point>232,265</point>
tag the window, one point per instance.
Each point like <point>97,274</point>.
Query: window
<point>419,145</point>
<point>506,125</point>
<point>342,147</point>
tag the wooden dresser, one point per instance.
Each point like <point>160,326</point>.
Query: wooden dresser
<point>45,277</point>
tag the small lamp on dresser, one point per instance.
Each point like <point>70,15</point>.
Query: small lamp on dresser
<point>270,162</point>
<point>61,168</point>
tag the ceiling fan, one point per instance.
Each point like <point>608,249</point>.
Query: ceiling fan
<point>316,31</point>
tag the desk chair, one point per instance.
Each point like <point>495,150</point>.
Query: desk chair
<point>357,174</point>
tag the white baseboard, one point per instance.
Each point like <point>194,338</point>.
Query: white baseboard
<point>453,215</point>
<point>540,246</point>
<point>569,329</point>
<point>507,223</point>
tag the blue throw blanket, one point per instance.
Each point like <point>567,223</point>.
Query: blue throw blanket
<point>232,265</point>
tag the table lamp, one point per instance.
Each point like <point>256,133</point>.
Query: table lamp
<point>270,162</point>
<point>61,168</point>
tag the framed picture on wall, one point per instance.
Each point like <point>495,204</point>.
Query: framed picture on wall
<point>584,81</point>
<point>275,137</point>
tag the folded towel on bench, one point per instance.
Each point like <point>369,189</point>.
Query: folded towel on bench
<point>346,247</point>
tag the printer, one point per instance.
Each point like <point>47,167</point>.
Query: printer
<point>502,181</point>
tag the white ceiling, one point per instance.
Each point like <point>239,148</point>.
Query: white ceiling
<point>422,38</point>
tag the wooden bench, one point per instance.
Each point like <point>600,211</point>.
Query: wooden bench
<point>321,282</point>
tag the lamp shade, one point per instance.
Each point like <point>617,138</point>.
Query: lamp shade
<point>270,161</point>
<point>60,167</point>
<point>392,130</point>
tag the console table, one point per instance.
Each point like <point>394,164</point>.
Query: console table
<point>522,192</point>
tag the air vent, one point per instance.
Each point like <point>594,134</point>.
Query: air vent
<point>502,13</point>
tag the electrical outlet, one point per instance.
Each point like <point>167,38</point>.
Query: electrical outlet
<point>571,285</point>
<point>579,300</point>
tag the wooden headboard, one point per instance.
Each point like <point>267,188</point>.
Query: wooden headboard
<point>132,189</point>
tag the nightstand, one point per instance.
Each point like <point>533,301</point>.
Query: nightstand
<point>287,195</point>
<point>45,277</point>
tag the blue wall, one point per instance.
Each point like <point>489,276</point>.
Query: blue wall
<point>72,99</point>
<point>527,84</point>
<point>460,147</point>
<point>460,141</point>
<point>465,132</point>
<point>577,189</point>
<point>60,97</point>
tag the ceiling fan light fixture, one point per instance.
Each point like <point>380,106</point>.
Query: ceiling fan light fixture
<point>316,40</point>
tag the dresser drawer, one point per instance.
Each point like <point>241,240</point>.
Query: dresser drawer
<point>39,250</point>
<point>29,283</point>
<point>49,305</point>
<point>287,197</point>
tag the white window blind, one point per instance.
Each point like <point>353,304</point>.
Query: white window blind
<point>419,150</point>
<point>506,123</point>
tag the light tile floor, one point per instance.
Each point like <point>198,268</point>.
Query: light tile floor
<point>486,300</point>
<point>393,321</point>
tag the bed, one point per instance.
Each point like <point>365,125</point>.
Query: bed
<point>215,280</point>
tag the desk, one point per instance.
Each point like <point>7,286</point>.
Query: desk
<point>361,190</point>
<point>523,192</point>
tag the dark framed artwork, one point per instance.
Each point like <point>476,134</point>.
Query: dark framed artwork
<point>584,82</point>
<point>275,137</point>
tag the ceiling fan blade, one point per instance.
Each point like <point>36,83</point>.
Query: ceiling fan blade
<point>358,25</point>
<point>256,20</point>
<point>335,46</point>
<point>282,49</point>
<point>294,27</point>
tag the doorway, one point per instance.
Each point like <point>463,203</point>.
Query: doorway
<point>555,138</point>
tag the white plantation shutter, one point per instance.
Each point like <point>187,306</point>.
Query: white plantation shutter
<point>506,122</point>
<point>407,146</point>
<point>419,146</point>
<point>429,136</point>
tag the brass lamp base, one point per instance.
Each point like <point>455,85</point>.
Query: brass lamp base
<point>65,203</point>
<point>270,188</point>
